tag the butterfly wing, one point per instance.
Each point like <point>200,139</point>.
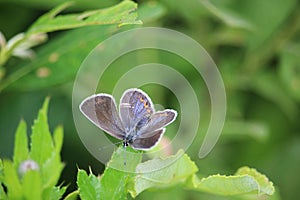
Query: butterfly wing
<point>157,121</point>
<point>149,142</point>
<point>135,109</point>
<point>101,110</point>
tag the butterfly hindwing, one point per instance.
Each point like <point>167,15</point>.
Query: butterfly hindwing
<point>101,110</point>
<point>157,121</point>
<point>149,142</point>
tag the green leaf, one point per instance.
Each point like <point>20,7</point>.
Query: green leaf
<point>51,170</point>
<point>41,140</point>
<point>245,181</point>
<point>21,144</point>
<point>54,193</point>
<point>239,128</point>
<point>289,70</point>
<point>56,63</point>
<point>175,169</point>
<point>268,86</point>
<point>43,150</point>
<point>151,10</point>
<point>52,69</point>
<point>265,186</point>
<point>1,170</point>
<point>58,136</point>
<point>2,193</point>
<point>121,14</point>
<point>113,181</point>
<point>11,181</point>
<point>72,195</point>
<point>31,185</point>
<point>228,17</point>
<point>89,186</point>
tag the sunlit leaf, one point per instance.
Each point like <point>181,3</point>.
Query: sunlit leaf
<point>32,185</point>
<point>58,138</point>
<point>89,186</point>
<point>11,181</point>
<point>72,195</point>
<point>245,181</point>
<point>51,170</point>
<point>50,68</point>
<point>265,186</point>
<point>41,140</point>
<point>121,14</point>
<point>114,181</point>
<point>175,169</point>
<point>54,193</point>
<point>21,144</point>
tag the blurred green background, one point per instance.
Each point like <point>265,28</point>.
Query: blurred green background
<point>255,44</point>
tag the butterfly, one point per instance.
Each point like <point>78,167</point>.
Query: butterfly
<point>136,124</point>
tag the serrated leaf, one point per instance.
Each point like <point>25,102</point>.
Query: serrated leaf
<point>172,170</point>
<point>239,184</point>
<point>89,186</point>
<point>21,144</point>
<point>113,181</point>
<point>72,195</point>
<point>2,193</point>
<point>54,193</point>
<point>51,170</point>
<point>121,14</point>
<point>227,185</point>
<point>265,186</point>
<point>41,140</point>
<point>32,185</point>
<point>11,181</point>
<point>58,136</point>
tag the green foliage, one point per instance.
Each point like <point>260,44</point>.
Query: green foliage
<point>121,14</point>
<point>256,51</point>
<point>34,172</point>
<point>245,181</point>
<point>172,170</point>
<point>89,185</point>
<point>38,180</point>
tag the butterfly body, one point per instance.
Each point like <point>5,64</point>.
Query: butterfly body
<point>136,123</point>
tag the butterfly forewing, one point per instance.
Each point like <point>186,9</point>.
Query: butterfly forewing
<point>101,110</point>
<point>157,121</point>
<point>135,107</point>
